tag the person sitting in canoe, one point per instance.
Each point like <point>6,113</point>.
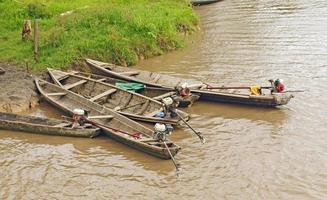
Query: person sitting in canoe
<point>170,107</point>
<point>183,90</point>
<point>184,96</point>
<point>79,117</point>
<point>277,86</point>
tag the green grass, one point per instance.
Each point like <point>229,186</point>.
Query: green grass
<point>118,31</point>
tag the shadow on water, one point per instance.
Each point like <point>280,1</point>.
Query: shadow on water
<point>275,116</point>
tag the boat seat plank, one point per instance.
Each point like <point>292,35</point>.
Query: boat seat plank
<point>106,93</point>
<point>144,107</point>
<point>195,86</point>
<point>56,94</point>
<point>70,86</point>
<point>101,117</point>
<point>130,73</point>
<point>102,79</point>
<point>60,78</point>
<point>128,100</point>
<point>64,124</point>
<point>156,78</point>
<point>168,94</point>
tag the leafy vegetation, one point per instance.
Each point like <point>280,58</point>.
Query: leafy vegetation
<point>119,31</point>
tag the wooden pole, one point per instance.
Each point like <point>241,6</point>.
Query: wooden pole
<point>36,38</point>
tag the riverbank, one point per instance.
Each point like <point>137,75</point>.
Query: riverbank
<point>117,31</point>
<point>17,91</point>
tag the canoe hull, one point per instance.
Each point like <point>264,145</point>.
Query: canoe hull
<point>132,101</point>
<point>146,91</point>
<point>206,95</point>
<point>157,152</point>
<point>250,100</point>
<point>30,127</point>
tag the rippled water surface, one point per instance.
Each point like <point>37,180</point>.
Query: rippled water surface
<point>251,153</point>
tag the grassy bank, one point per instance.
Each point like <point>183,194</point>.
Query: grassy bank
<point>119,31</point>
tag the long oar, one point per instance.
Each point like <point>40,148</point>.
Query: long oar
<point>293,91</point>
<point>171,156</point>
<point>203,140</point>
<point>241,87</point>
<point>233,87</point>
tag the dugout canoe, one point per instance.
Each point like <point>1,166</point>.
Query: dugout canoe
<point>113,124</point>
<point>129,104</point>
<point>202,2</point>
<point>156,93</point>
<point>266,100</point>
<point>139,76</point>
<point>46,126</point>
<point>197,87</point>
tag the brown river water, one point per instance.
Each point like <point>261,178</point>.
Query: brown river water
<point>251,153</point>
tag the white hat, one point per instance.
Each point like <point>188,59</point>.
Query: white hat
<point>184,85</point>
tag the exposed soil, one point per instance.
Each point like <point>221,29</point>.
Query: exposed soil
<point>17,89</point>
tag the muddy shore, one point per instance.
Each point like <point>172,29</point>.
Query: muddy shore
<point>17,89</point>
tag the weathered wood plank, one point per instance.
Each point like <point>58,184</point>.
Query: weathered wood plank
<point>101,117</point>
<point>168,94</point>
<point>156,78</point>
<point>108,92</point>
<point>56,94</point>
<point>64,124</point>
<point>144,107</point>
<point>130,73</point>
<point>70,86</point>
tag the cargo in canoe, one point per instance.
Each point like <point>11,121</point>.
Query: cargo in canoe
<point>130,104</point>
<point>202,89</point>
<point>47,126</point>
<point>113,124</point>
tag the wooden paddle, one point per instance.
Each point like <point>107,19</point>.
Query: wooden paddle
<point>171,156</point>
<point>232,87</point>
<point>203,140</point>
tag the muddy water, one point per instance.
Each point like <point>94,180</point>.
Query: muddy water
<point>250,153</point>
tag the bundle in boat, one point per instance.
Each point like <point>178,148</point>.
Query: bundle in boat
<point>113,124</point>
<point>46,126</point>
<point>127,103</point>
<point>206,93</point>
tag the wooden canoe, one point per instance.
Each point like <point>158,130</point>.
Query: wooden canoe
<point>139,76</point>
<point>117,127</point>
<point>130,104</point>
<point>45,126</point>
<point>267,100</point>
<point>222,96</point>
<point>156,93</point>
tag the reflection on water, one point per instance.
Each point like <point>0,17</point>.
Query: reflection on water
<point>251,153</point>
